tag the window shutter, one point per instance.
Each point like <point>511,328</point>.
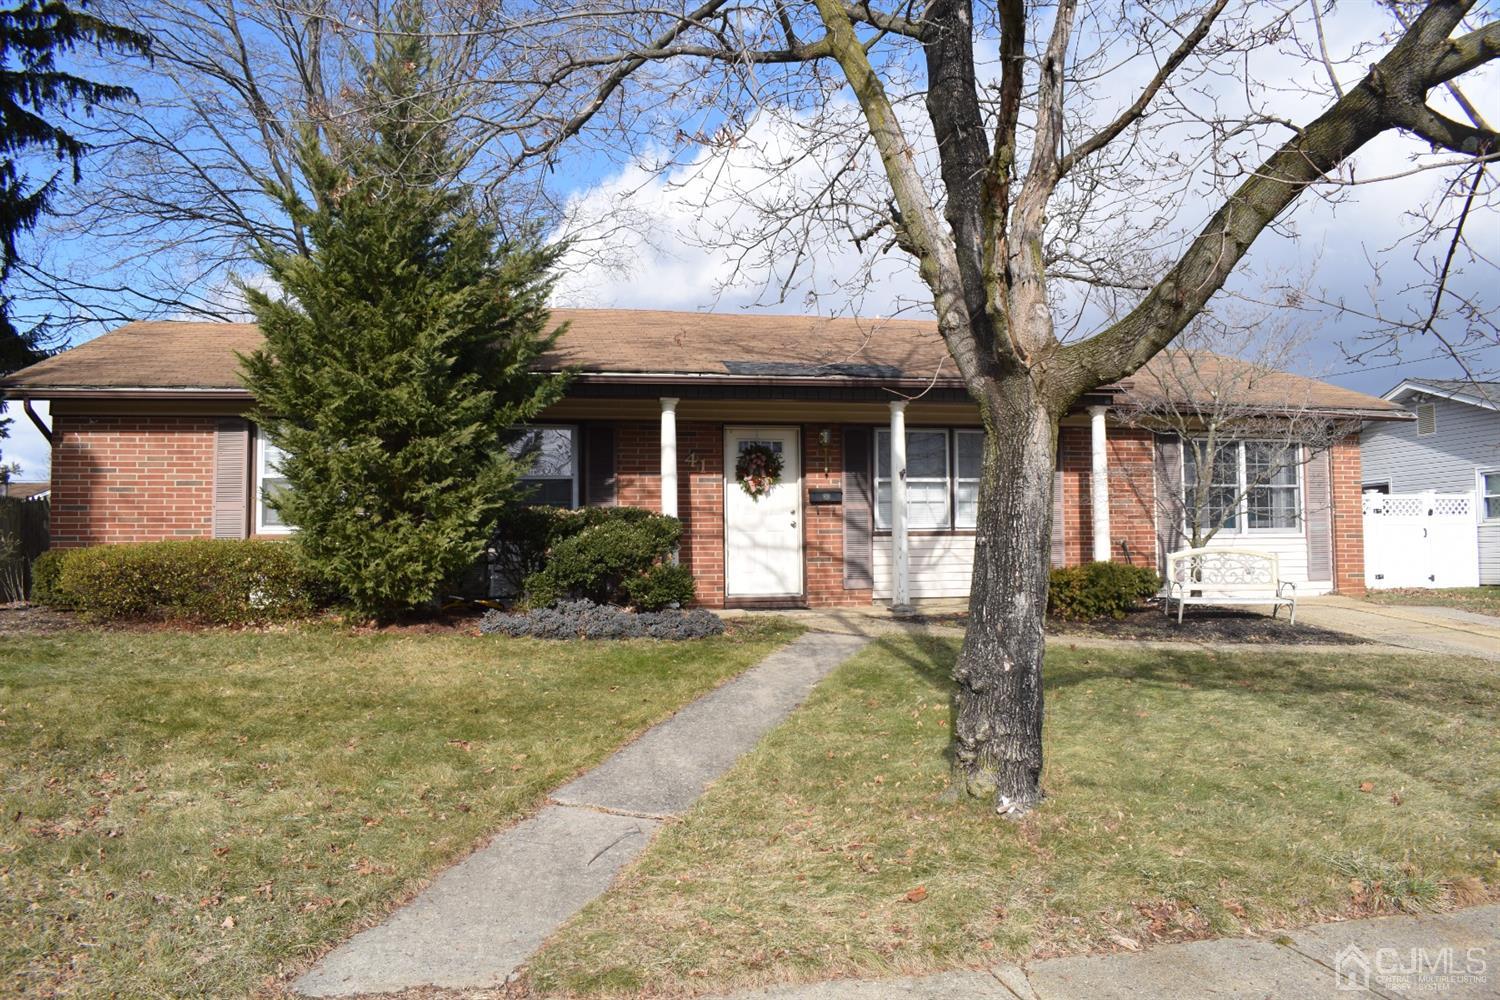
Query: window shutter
<point>1059,529</point>
<point>1169,509</point>
<point>231,516</point>
<point>1318,499</point>
<point>599,466</point>
<point>859,571</point>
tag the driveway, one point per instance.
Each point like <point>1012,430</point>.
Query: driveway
<point>1431,630</point>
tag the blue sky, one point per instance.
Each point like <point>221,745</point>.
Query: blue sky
<point>665,260</point>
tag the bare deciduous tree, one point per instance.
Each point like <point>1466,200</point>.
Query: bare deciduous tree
<point>992,183</point>
<point>1073,183</point>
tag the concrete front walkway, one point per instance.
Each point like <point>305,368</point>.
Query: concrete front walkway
<point>485,916</point>
<point>1455,956</point>
<point>1430,630</point>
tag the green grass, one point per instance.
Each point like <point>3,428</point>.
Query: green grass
<point>1481,600</point>
<point>1190,794</point>
<point>199,814</point>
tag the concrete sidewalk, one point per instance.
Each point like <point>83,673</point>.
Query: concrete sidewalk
<point>483,917</point>
<point>1431,630</point>
<point>1455,956</point>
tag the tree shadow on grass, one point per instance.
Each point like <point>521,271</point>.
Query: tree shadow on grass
<point>1428,683</point>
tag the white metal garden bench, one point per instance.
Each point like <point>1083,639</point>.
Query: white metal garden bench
<point>1227,576</point>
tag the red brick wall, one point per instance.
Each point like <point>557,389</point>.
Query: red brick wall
<point>1132,494</point>
<point>700,492</point>
<point>700,504</point>
<point>1348,519</point>
<point>823,469</point>
<point>131,479</point>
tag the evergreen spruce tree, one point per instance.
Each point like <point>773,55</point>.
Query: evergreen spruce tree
<point>398,354</point>
<point>34,93</point>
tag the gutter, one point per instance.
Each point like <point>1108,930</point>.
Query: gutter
<point>36,420</point>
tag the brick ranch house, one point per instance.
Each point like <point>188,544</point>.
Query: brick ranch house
<point>149,441</point>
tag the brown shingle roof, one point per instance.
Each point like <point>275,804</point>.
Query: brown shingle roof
<point>1197,377</point>
<point>202,356</point>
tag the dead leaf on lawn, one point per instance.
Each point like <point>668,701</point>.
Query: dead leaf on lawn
<point>228,924</point>
<point>464,745</point>
<point>917,895</point>
<point>1396,799</point>
<point>1129,944</point>
<point>1367,786</point>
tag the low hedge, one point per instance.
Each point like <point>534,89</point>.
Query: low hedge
<point>46,571</point>
<point>1099,590</point>
<point>587,620</point>
<point>218,582</point>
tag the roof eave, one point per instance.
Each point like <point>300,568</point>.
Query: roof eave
<point>1409,386</point>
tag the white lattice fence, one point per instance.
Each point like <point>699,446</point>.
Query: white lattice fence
<point>1421,540</point>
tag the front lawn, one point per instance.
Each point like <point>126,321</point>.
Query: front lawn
<point>1482,600</point>
<point>198,814</point>
<point>1191,794</point>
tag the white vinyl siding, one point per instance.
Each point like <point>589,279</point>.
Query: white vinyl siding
<point>1466,440</point>
<point>940,565</point>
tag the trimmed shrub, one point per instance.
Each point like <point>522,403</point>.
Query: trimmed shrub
<point>46,575</point>
<point>665,585</point>
<point>1099,590</point>
<point>525,535</point>
<point>595,563</point>
<point>219,582</point>
<point>587,620</point>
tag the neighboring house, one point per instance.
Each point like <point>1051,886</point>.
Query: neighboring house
<point>1453,446</point>
<point>150,442</point>
<point>18,490</point>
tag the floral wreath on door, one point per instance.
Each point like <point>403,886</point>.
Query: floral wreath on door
<point>758,470</point>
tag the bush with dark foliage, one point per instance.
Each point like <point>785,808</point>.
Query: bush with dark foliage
<point>218,582</point>
<point>665,585</point>
<point>596,562</point>
<point>1099,590</point>
<point>587,620</point>
<point>525,535</point>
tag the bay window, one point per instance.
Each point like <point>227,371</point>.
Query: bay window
<point>552,479</point>
<point>1252,486</point>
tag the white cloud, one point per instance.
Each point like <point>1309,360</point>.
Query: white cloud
<point>24,444</point>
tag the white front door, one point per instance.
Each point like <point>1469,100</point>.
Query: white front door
<point>763,537</point>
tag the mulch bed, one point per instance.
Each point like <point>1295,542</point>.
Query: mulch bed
<point>17,619</point>
<point>1198,625</point>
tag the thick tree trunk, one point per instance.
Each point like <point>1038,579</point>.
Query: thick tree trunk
<point>998,732</point>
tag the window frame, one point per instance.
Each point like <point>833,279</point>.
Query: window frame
<point>1241,527</point>
<point>955,479</point>
<point>258,496</point>
<point>950,450</point>
<point>1482,491</point>
<point>575,476</point>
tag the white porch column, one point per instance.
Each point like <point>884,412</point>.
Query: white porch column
<point>900,556</point>
<point>1099,483</point>
<point>669,455</point>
